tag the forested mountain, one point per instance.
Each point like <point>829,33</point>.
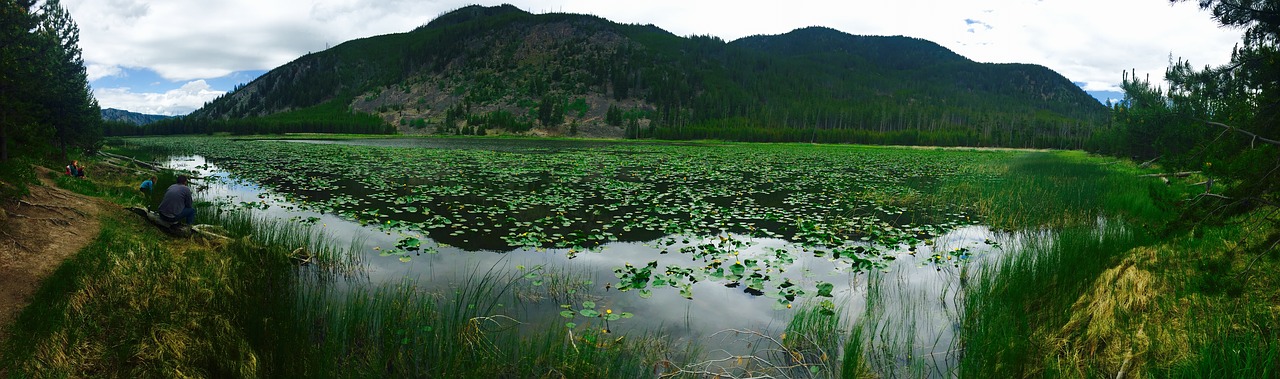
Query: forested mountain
<point>483,69</point>
<point>120,115</point>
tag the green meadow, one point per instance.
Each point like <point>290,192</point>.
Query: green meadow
<point>483,257</point>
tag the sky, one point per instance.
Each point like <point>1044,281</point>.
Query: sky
<point>170,57</point>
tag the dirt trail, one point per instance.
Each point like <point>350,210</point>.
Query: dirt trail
<point>36,234</point>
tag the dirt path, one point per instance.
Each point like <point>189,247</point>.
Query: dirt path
<point>36,235</point>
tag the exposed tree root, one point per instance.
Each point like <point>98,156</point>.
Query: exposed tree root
<point>51,207</point>
<point>57,221</point>
<point>16,243</point>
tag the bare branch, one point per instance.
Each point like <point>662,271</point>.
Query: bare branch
<point>1148,163</point>
<point>1242,131</point>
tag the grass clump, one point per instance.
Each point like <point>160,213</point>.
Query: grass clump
<point>134,304</point>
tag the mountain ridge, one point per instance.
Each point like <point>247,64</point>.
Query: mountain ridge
<point>501,69</point>
<point>120,115</point>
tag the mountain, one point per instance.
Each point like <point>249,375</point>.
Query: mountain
<point>502,70</point>
<point>112,114</point>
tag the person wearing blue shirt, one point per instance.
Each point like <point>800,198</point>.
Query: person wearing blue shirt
<point>148,186</point>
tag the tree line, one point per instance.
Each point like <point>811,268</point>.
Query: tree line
<point>329,117</point>
<point>1218,120</point>
<point>818,80</point>
<point>47,109</point>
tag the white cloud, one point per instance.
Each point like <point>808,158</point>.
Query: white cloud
<point>1101,86</point>
<point>180,101</point>
<point>193,39</point>
<point>1091,41</point>
<point>98,71</point>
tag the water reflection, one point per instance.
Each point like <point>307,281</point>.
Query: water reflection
<point>917,296</point>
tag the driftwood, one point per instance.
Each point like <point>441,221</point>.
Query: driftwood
<point>148,165</point>
<point>1182,174</point>
<point>1148,163</point>
<point>302,256</point>
<point>119,167</point>
<point>178,229</point>
<point>206,230</point>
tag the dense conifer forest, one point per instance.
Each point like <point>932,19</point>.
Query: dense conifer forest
<point>500,69</point>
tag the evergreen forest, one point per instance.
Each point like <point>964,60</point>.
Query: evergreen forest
<point>503,70</point>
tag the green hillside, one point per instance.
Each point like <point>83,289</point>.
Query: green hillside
<point>502,70</point>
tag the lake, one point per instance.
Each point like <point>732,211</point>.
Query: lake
<point>686,240</point>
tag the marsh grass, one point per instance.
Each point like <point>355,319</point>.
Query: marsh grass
<point>1131,295</point>
<point>305,245</point>
<point>815,338</point>
<point>1062,189</point>
<point>1074,218</point>
<point>1014,305</point>
<point>473,331</point>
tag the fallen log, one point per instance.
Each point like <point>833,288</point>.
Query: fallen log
<point>207,231</point>
<point>1169,174</point>
<point>176,229</point>
<point>148,165</point>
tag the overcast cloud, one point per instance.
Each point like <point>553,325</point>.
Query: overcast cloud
<point>190,44</point>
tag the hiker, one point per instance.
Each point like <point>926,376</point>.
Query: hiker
<point>176,204</point>
<point>75,170</point>
<point>148,186</point>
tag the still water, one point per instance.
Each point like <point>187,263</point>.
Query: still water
<point>918,289</point>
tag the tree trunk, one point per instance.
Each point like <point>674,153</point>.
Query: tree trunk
<point>4,139</point>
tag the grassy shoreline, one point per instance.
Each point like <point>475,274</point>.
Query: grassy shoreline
<point>1092,299</point>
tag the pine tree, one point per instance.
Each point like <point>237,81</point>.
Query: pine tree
<point>73,112</point>
<point>18,83</point>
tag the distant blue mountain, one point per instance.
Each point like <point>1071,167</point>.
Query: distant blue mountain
<point>112,114</point>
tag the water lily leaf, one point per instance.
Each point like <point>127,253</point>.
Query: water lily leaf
<point>824,289</point>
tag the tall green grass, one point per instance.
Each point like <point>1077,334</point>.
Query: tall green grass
<point>1030,312</point>
<point>473,331</point>
<point>1016,303</point>
<point>1062,189</point>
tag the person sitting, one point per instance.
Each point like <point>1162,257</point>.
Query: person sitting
<point>74,169</point>
<point>148,186</point>
<point>176,205</point>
